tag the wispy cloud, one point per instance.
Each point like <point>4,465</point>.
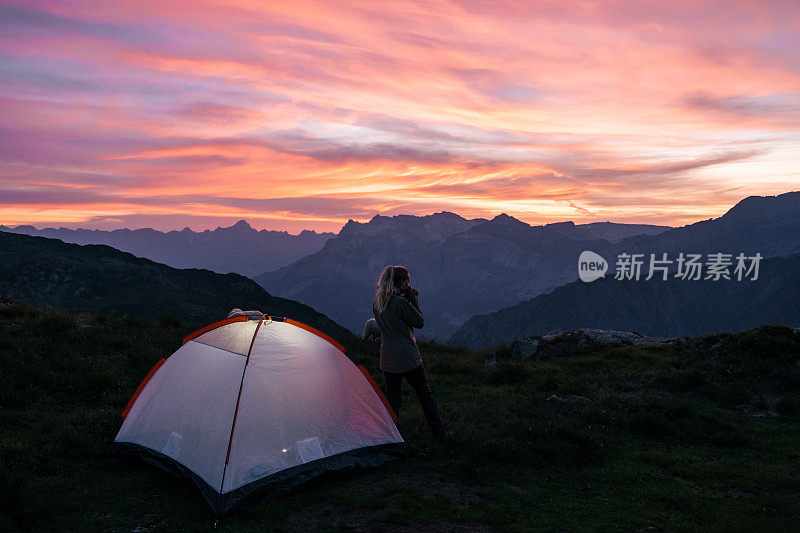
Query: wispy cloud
<point>309,113</point>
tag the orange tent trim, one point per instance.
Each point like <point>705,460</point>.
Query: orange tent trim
<point>379,392</point>
<point>141,387</point>
<point>315,332</point>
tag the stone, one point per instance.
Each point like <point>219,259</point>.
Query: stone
<point>524,349</point>
<point>572,398</point>
<point>604,337</point>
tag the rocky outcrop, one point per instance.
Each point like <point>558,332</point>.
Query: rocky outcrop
<point>567,342</point>
<point>605,337</point>
<point>525,349</point>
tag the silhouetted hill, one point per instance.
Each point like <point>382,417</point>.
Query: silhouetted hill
<point>674,307</point>
<point>239,248</point>
<point>100,279</point>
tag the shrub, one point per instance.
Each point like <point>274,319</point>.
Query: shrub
<point>788,406</point>
<point>678,420</point>
<point>507,373</point>
<point>684,380</point>
<point>169,321</point>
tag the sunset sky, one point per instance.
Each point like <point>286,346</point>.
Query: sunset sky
<point>299,114</point>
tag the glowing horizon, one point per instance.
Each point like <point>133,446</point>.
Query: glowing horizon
<point>302,115</point>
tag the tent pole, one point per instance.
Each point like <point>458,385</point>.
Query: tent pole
<point>236,411</point>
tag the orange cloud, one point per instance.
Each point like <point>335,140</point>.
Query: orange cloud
<point>311,113</point>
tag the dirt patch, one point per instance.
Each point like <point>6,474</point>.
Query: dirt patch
<point>375,515</point>
<point>429,483</point>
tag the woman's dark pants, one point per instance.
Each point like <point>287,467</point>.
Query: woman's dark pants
<point>419,381</point>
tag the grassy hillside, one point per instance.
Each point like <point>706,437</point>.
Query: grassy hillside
<point>102,279</point>
<point>700,435</point>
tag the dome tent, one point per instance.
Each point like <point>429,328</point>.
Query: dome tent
<point>249,405</point>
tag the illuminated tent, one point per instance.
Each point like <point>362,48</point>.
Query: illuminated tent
<point>257,405</point>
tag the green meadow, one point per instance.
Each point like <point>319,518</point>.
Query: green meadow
<point>703,434</point>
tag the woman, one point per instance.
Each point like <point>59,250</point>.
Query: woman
<point>396,309</point>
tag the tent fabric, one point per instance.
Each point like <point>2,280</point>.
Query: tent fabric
<point>215,325</point>
<point>235,339</point>
<point>257,405</point>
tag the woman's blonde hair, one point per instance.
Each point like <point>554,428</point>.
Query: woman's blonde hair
<point>388,285</point>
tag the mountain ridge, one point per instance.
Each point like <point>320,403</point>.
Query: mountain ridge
<point>672,308</point>
<point>102,279</point>
<point>238,248</point>
<point>459,265</point>
<point>480,266</point>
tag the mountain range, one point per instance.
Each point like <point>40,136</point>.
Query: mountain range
<point>769,226</point>
<point>238,248</point>
<point>101,279</point>
<point>461,267</point>
<point>492,270</point>
<point>667,308</point>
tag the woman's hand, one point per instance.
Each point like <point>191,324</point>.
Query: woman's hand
<point>410,292</point>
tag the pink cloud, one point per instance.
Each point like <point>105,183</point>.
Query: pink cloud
<point>645,111</point>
